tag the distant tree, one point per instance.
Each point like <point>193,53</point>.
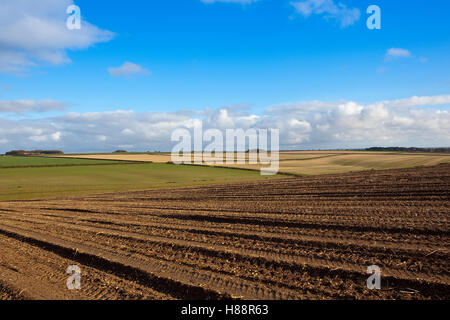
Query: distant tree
<point>120,151</point>
<point>31,153</point>
<point>411,149</point>
<point>16,153</point>
<point>51,152</point>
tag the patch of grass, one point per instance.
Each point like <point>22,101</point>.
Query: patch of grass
<point>50,182</point>
<point>13,162</point>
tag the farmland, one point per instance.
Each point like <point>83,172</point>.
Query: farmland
<point>292,238</point>
<point>30,162</point>
<point>65,178</point>
<point>312,162</point>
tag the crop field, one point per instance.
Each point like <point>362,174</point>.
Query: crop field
<point>27,162</point>
<point>292,238</point>
<point>56,181</point>
<point>311,162</point>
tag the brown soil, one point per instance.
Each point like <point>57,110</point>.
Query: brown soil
<point>298,238</point>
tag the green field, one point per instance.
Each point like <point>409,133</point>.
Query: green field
<point>50,182</point>
<point>11,161</point>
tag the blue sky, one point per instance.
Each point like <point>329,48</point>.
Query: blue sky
<point>258,55</point>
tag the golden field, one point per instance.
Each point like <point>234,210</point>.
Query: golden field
<point>308,162</point>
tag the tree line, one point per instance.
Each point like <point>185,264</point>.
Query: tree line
<point>32,152</point>
<point>412,149</point>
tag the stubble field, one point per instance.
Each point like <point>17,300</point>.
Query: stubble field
<point>305,162</point>
<point>295,238</point>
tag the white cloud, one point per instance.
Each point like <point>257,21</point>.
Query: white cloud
<point>408,122</point>
<point>127,132</point>
<point>329,10</point>
<point>416,101</point>
<point>393,53</point>
<point>56,136</point>
<point>126,146</point>
<point>413,121</point>
<point>38,138</point>
<point>34,32</point>
<point>128,69</point>
<point>22,106</point>
<point>102,138</point>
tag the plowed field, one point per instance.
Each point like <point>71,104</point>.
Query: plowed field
<point>295,238</point>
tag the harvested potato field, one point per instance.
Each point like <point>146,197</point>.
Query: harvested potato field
<point>295,238</point>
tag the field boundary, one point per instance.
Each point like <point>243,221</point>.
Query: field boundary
<point>235,168</point>
<point>71,165</point>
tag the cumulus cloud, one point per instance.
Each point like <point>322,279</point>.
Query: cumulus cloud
<point>394,53</point>
<point>127,132</point>
<point>416,101</point>
<point>409,122</point>
<point>53,137</point>
<point>413,121</point>
<point>329,10</point>
<point>22,106</point>
<point>35,32</point>
<point>128,69</point>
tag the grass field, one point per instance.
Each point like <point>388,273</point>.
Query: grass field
<point>47,182</point>
<point>11,161</point>
<point>315,162</point>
